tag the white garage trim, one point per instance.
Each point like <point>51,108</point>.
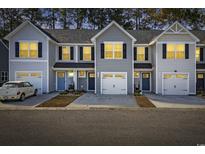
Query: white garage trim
<point>101,75</point>
<point>33,72</point>
<point>175,74</point>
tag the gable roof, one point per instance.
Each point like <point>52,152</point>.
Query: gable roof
<point>85,35</point>
<point>108,26</point>
<point>35,26</point>
<point>175,23</point>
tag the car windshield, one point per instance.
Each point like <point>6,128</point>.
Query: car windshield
<point>10,85</point>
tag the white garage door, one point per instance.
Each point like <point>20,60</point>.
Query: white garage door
<point>35,78</point>
<point>114,83</point>
<point>175,84</point>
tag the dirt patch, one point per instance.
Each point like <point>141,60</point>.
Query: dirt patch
<point>59,101</point>
<point>144,101</point>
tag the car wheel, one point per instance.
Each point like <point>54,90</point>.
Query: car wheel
<point>22,98</point>
<point>35,92</point>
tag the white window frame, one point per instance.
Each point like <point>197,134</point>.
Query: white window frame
<point>90,53</point>
<point>113,51</point>
<point>138,54</point>
<point>199,55</point>
<point>28,41</point>
<point>175,51</point>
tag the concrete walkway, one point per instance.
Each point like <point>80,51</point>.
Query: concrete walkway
<point>28,102</point>
<point>90,99</point>
<point>176,101</point>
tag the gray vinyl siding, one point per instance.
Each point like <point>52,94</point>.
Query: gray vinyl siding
<point>176,38</point>
<point>29,33</point>
<point>185,65</point>
<point>52,74</point>
<point>124,65</point>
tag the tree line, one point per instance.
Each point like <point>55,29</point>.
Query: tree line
<point>83,18</point>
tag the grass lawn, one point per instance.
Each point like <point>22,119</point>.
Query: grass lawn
<point>144,101</point>
<point>59,101</point>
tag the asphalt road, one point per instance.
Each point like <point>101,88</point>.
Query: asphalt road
<point>103,127</point>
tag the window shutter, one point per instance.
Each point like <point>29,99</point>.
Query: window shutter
<point>135,53</point>
<point>71,53</point>
<point>60,53</point>
<point>201,54</point>
<point>102,51</point>
<point>186,51</point>
<point>17,49</point>
<point>164,51</point>
<point>92,53</point>
<point>146,53</point>
<point>124,51</point>
<point>39,49</point>
<point>81,53</point>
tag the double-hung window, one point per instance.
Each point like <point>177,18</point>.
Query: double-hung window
<point>175,51</point>
<point>28,49</point>
<point>113,50</point>
<point>66,53</point>
<point>197,54</point>
<point>86,53</point>
<point>140,53</point>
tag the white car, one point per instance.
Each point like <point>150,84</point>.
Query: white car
<point>16,90</point>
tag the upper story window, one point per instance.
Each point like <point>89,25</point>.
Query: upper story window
<point>28,49</point>
<point>87,53</point>
<point>141,54</point>
<point>113,50</point>
<point>199,54</point>
<point>66,53</point>
<point>175,51</point>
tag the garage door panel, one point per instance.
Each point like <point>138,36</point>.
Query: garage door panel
<point>35,78</point>
<point>114,83</point>
<point>175,84</point>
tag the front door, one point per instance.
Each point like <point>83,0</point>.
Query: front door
<point>61,81</point>
<point>145,81</point>
<point>200,82</point>
<point>91,80</point>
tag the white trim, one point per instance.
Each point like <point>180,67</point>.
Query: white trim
<point>64,69</point>
<point>199,45</point>
<point>27,60</point>
<point>48,66</point>
<point>175,74</point>
<point>76,53</point>
<point>9,63</point>
<point>175,42</point>
<point>156,66</point>
<point>146,45</point>
<point>101,75</point>
<point>195,68</point>
<point>200,70</point>
<point>143,70</point>
<point>29,76</point>
<point>107,27</point>
<point>196,39</point>
<point>4,44</point>
<point>133,79</point>
<point>76,44</point>
<point>95,69</point>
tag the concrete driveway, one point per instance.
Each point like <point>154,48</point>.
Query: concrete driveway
<point>90,99</point>
<point>30,101</point>
<point>176,101</point>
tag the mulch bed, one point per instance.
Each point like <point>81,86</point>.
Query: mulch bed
<point>144,102</point>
